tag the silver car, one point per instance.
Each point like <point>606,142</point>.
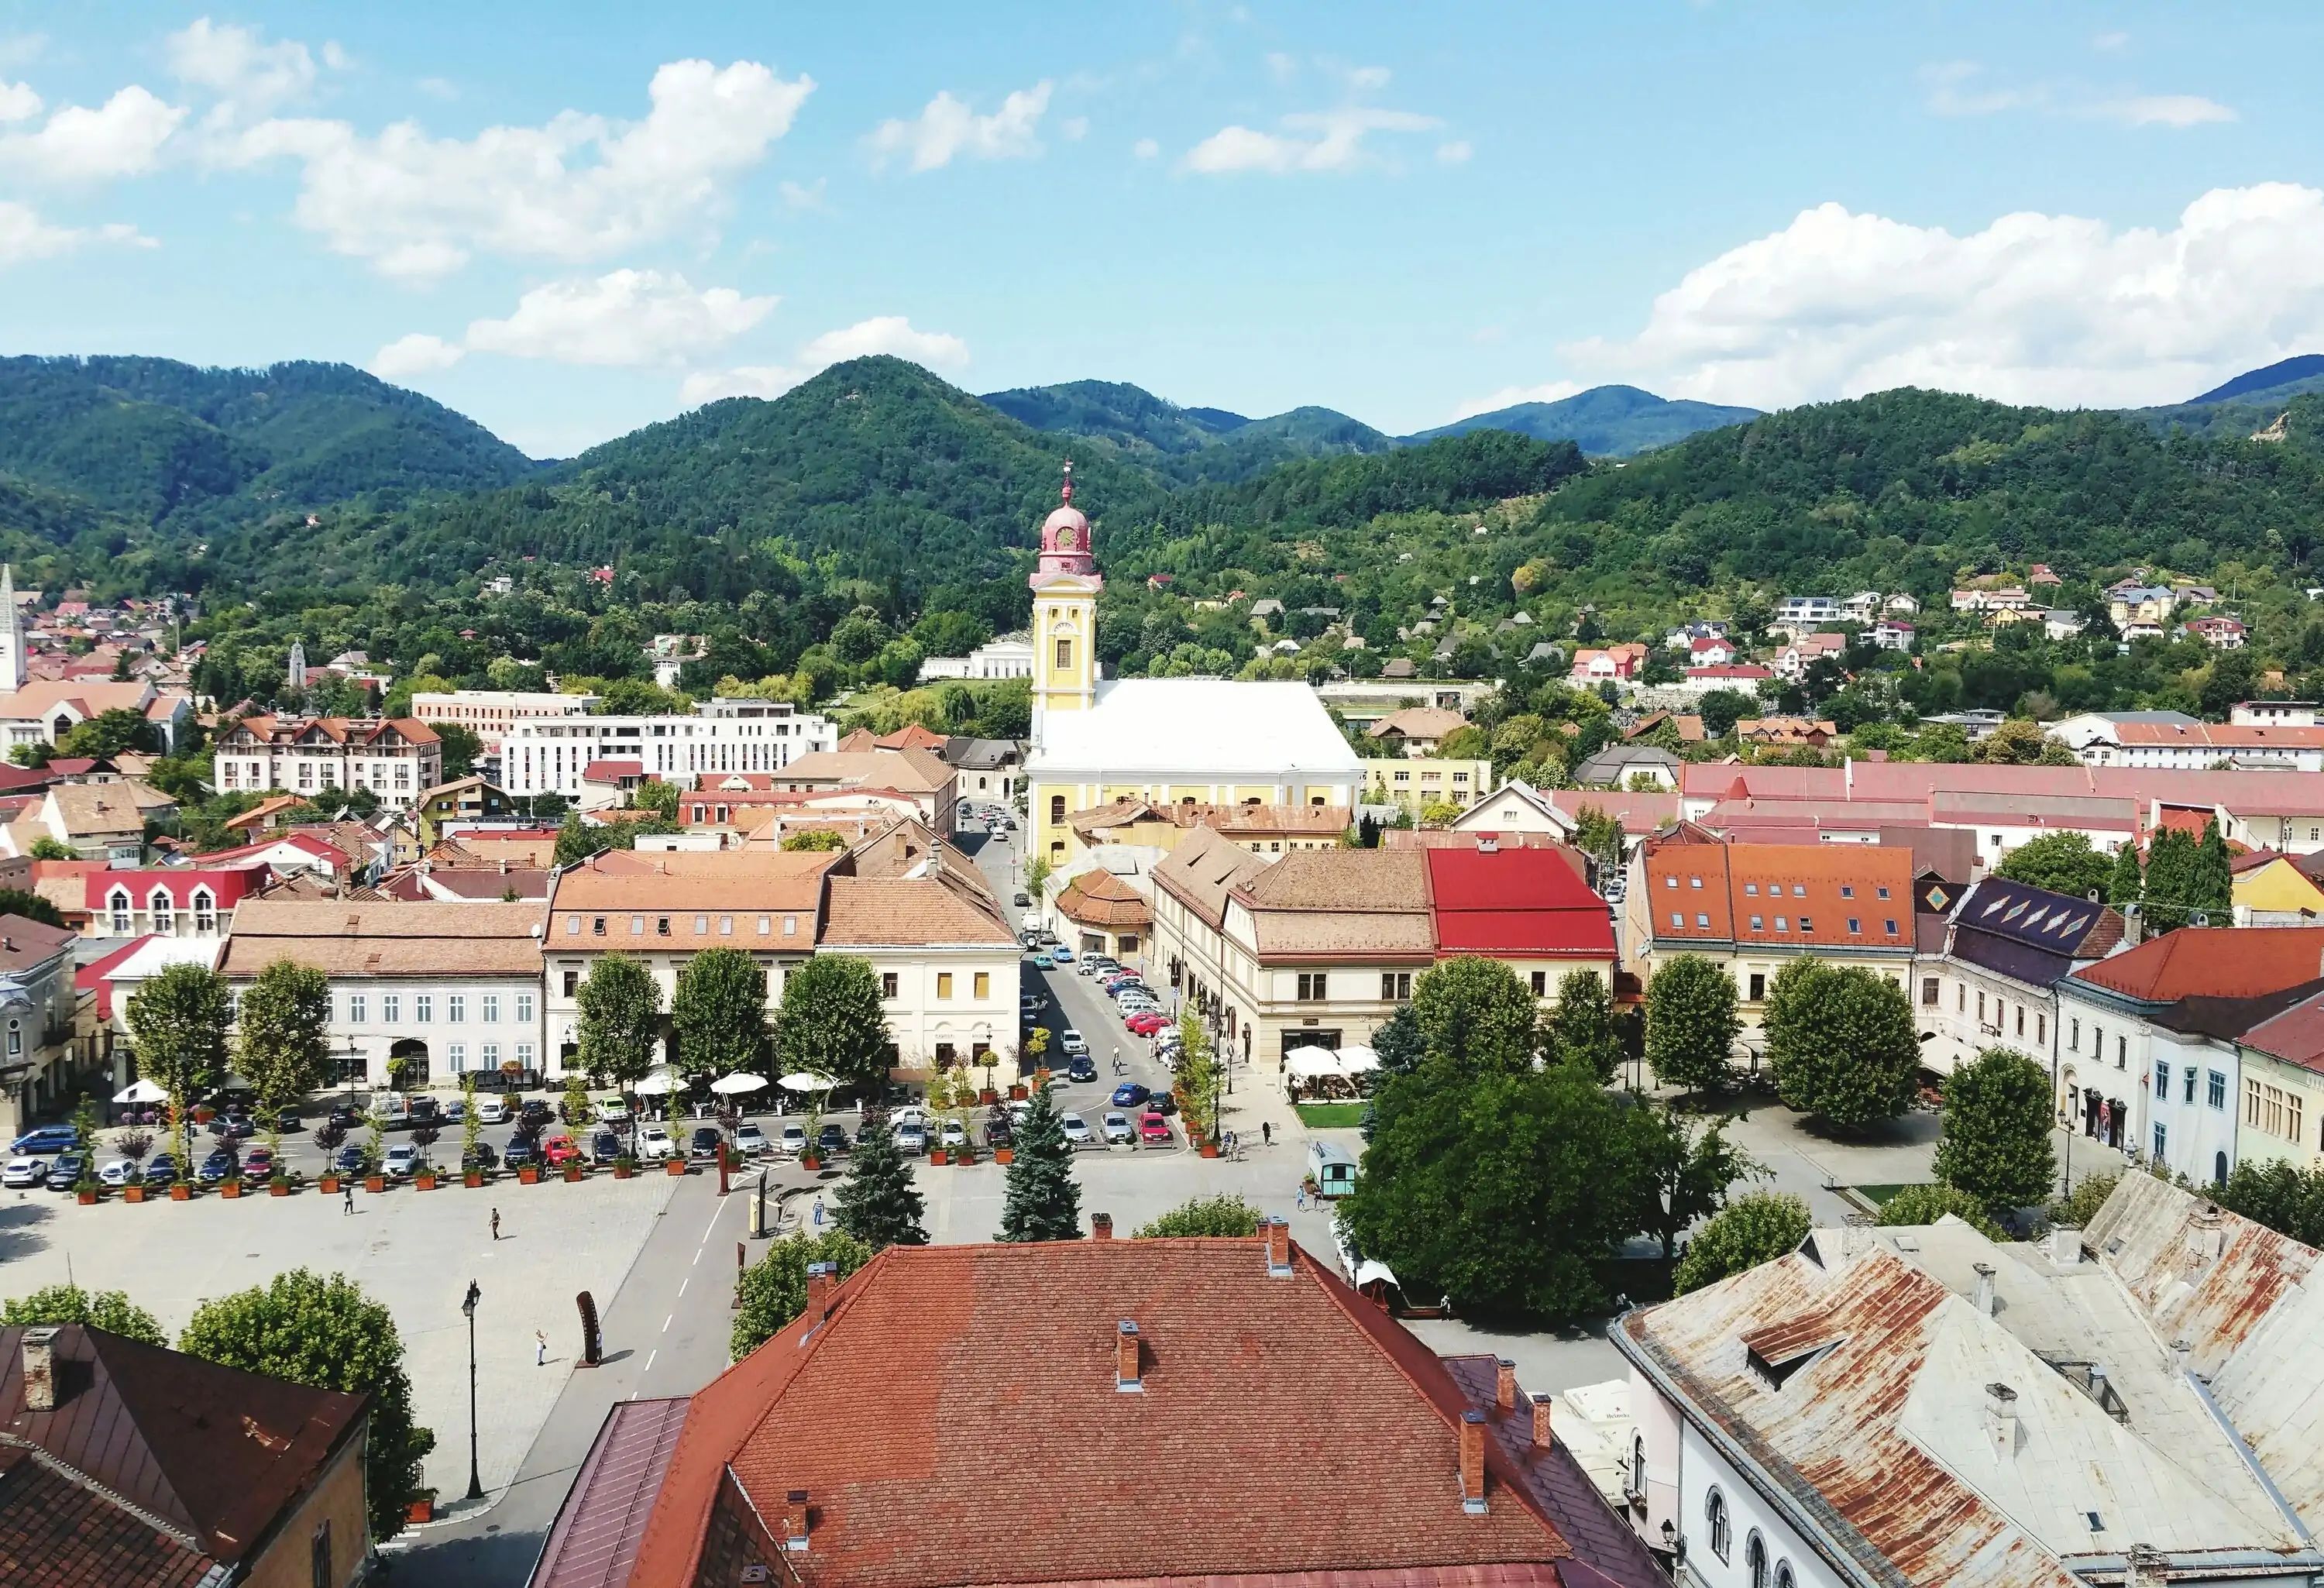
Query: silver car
<point>1117,1128</point>
<point>1077,1131</point>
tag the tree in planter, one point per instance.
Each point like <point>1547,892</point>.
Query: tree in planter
<point>472,1127</point>
<point>1681,1175</point>
<point>178,1020</point>
<point>1925,1204</point>
<point>831,1021</point>
<point>1692,1024</point>
<point>773,1289</point>
<point>84,1130</point>
<point>375,1124</point>
<point>1195,1073</point>
<point>1580,1030</point>
<point>878,1205</point>
<point>330,1138</point>
<point>720,1011</point>
<point>1757,1227</point>
<point>327,1333</point>
<point>577,1112</point>
<point>621,1020</point>
<point>1042,1203</point>
<point>1995,1139</point>
<point>1205,1215</point>
<point>282,1039</point>
<point>134,1147</point>
<point>1841,1043</point>
<point>110,1310</point>
<point>1476,1015</point>
<point>424,1138</point>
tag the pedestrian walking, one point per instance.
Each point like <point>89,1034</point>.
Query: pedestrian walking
<point>540,1349</point>
<point>818,1213</point>
<point>496,1223</point>
<point>1266,1132</point>
<point>348,1206</point>
<point>1302,1197</point>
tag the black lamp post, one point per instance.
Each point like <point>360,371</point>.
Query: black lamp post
<point>468,1307</point>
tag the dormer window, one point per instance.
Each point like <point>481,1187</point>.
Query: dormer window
<point>205,912</point>
<point>165,910</point>
<point>118,903</point>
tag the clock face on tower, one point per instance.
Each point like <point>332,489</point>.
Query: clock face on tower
<point>1065,539</point>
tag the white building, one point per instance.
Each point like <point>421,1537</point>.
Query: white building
<point>1808,610</point>
<point>724,735</point>
<point>2007,946</point>
<point>394,758</point>
<point>489,713</point>
<point>947,959</point>
<point>1008,657</point>
<point>2273,714</point>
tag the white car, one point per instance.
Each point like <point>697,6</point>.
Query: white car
<point>24,1171</point>
<point>1077,1131</point>
<point>492,1111</point>
<point>750,1140</point>
<point>654,1143</point>
<point>912,1138</point>
<point>402,1159</point>
<point>120,1172</point>
<point>1117,1128</point>
<point>911,1114</point>
<point>1073,1041</point>
<point>792,1141</point>
<point>953,1133</point>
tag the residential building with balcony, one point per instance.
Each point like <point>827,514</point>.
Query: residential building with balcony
<point>551,755</point>
<point>396,759</point>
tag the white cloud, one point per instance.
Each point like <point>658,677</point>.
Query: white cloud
<point>1281,67</point>
<point>18,102</point>
<point>2109,41</point>
<point>1511,396</point>
<point>890,334</point>
<point>438,88</point>
<point>416,354</point>
<point>2053,309</point>
<point>1455,153</point>
<point>807,196</point>
<point>1074,128</point>
<point>1326,140</point>
<point>21,48</point>
<point>626,317</point>
<point>947,127</point>
<point>122,137</point>
<point>1368,77</point>
<point>1146,149</point>
<point>1953,90</point>
<point>249,79</point>
<point>576,188</point>
<point>2169,110</point>
<point>24,236</point>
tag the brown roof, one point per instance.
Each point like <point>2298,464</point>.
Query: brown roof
<point>106,807</point>
<point>335,730</point>
<point>25,943</point>
<point>496,850</point>
<point>1419,722</point>
<point>1797,886</point>
<point>2216,962</point>
<point>345,939</point>
<point>1202,870</point>
<point>1340,1421</point>
<point>906,911</point>
<point>61,1532</point>
<point>214,1454</point>
<point>1097,898</point>
<point>910,770</point>
<point>732,879</point>
<point>1332,903</point>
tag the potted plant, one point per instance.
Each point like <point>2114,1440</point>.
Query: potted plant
<point>181,1189</point>
<point>374,1181</point>
<point>624,1167</point>
<point>330,1139</point>
<point>423,1509</point>
<point>424,1138</point>
<point>574,1169</point>
<point>1017,1091</point>
<point>134,1147</point>
<point>676,1164</point>
<point>279,1186</point>
<point>230,1187</point>
<point>87,1189</point>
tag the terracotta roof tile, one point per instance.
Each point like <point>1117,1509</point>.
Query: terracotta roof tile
<point>1202,870</point>
<point>343,937</point>
<point>899,911</point>
<point>1097,898</point>
<point>2218,961</point>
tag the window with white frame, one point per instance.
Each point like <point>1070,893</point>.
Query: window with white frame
<point>456,1054</point>
<point>424,1008</point>
<point>118,903</point>
<point>391,1008</point>
<point>164,909</point>
<point>1714,1512</point>
<point>205,912</point>
<point>523,1008</point>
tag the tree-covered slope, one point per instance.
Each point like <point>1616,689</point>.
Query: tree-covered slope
<point>1190,445</point>
<point>1605,421</point>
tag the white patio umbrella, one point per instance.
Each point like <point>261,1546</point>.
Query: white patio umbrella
<point>737,1082</point>
<point>1311,1059</point>
<point>140,1091</point>
<point>659,1083</point>
<point>799,1080</point>
<point>1355,1059</point>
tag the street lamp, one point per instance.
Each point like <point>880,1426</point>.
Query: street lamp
<point>468,1307</point>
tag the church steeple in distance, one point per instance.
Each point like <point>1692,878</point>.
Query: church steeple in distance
<point>13,667</point>
<point>1065,541</point>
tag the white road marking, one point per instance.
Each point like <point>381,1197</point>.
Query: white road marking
<point>649,1368</point>
<point>665,1323</point>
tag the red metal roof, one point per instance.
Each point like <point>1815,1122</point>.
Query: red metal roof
<point>2212,961</point>
<point>1515,904</point>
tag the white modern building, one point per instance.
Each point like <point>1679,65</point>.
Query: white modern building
<point>489,713</point>
<point>549,756</point>
<point>1008,657</point>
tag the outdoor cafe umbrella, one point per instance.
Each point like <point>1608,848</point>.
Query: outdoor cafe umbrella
<point>1312,1060</point>
<point>733,1084</point>
<point>1355,1059</point>
<point>660,1082</point>
<point>799,1080</point>
<point>142,1091</point>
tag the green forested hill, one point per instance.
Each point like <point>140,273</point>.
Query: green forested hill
<point>1187,446</point>
<point>1605,421</point>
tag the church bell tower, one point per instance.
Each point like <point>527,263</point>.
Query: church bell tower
<point>1066,586</point>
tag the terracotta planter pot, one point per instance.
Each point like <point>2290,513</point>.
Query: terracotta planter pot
<point>473,1178</point>
<point>86,1198</point>
<point>230,1189</point>
<point>276,1189</point>
<point>330,1185</point>
<point>809,1160</point>
<point>1004,1154</point>
<point>181,1193</point>
<point>375,1184</point>
<point>676,1165</point>
<point>939,1155</point>
<point>528,1176</point>
<point>420,1511</point>
<point>425,1182</point>
<point>964,1157</point>
<point>623,1171</point>
<point>1210,1150</point>
<point>574,1172</point>
<point>1042,1075</point>
<point>987,1098</point>
<point>1017,1093</point>
<point>132,1191</point>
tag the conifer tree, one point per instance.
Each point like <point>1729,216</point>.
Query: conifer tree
<point>2123,887</point>
<point>879,1204</point>
<point>2213,877</point>
<point>1043,1202</point>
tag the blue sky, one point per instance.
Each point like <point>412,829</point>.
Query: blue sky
<point>568,220</point>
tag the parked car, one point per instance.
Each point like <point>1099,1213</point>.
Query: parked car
<point>482,1157</point>
<point>234,1125</point>
<point>533,1111</point>
<point>45,1141</point>
<point>750,1141</point>
<point>224,1164</point>
<point>289,1122</point>
<point>559,1150</point>
<point>1153,1127</point>
<point>350,1160</point>
<point>161,1168</point>
<point>490,1110</point>
<point>1161,1103</point>
<point>523,1152</point>
<point>1022,900</point>
<point>455,1111</point>
<point>999,1132</point>
<point>833,1141</point>
<point>1147,1022</point>
<point>1083,1068</point>
<point>66,1174</point>
<point>22,1172</point>
<point>1129,1094</point>
<point>402,1161</point>
<point>613,1111</point>
<point>705,1142</point>
<point>791,1139</point>
<point>258,1165</point>
<point>1117,1127</point>
<point>911,1138</point>
<point>422,1111</point>
<point>116,1173</point>
<point>605,1146</point>
<point>345,1115</point>
<point>952,1134</point>
<point>1077,1131</point>
<point>1061,954</point>
<point>654,1143</point>
<point>1093,964</point>
<point>1072,1041</point>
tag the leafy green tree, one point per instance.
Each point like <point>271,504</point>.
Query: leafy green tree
<point>719,1011</point>
<point>462,749</point>
<point>47,848</point>
<point>1840,1043</point>
<point>1995,1140</point>
<point>2211,877</point>
<point>327,1333</point>
<point>1925,1204</point>
<point>1757,1227</point>
<point>110,1310</point>
<point>878,1204</point>
<point>2173,891</point>
<point>2064,863</point>
<point>108,734</point>
<point>1681,1174</point>
<point>577,840</point>
<point>815,840</point>
<point>621,1020</point>
<point>1043,1202</point>
<point>2270,1191</point>
<point>1474,1014</point>
<point>1599,836</point>
<point>2126,883</point>
<point>282,1044</point>
<point>1396,1043</point>
<point>1578,1029</point>
<point>1205,1215</point>
<point>1503,1190</point>
<point>2080,1206</point>
<point>773,1289</point>
<point>832,1021</point>
<point>1692,1024</point>
<point>659,796</point>
<point>1721,709</point>
<point>30,907</point>
<point>178,1020</point>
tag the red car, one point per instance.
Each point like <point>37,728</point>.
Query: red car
<point>1148,1023</point>
<point>1153,1127</point>
<point>559,1150</point>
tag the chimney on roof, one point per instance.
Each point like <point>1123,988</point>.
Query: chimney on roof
<point>40,1368</point>
<point>2001,1419</point>
<point>2205,1237</point>
<point>1101,1226</point>
<point>1472,1462</point>
<point>818,1290</point>
<point>1125,1358</point>
<point>2176,1357</point>
<point>1278,1248</point>
<point>1984,1300</point>
<point>795,1521</point>
<point>2066,1246</point>
<point>1505,1384</point>
<point>1544,1436</point>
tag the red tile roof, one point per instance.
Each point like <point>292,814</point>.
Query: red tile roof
<point>1339,1429</point>
<point>2214,962</point>
<point>60,1533</point>
<point>1515,903</point>
<point>1802,895</point>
